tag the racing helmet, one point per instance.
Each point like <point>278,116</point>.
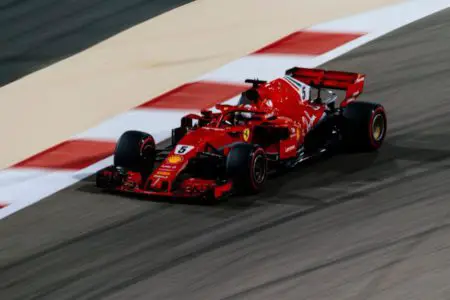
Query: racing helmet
<point>242,117</point>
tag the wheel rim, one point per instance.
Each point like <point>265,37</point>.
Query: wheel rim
<point>259,167</point>
<point>378,127</point>
<point>147,151</point>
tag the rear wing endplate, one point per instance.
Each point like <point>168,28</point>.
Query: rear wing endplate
<point>352,83</point>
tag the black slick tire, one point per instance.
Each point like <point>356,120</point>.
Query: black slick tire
<point>364,126</point>
<point>135,151</point>
<point>247,167</point>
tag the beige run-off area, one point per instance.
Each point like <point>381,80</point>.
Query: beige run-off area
<point>75,94</point>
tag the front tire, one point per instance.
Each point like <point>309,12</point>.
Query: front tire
<point>135,151</point>
<point>365,126</point>
<point>247,168</point>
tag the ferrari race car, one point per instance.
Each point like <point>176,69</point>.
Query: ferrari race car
<point>233,148</point>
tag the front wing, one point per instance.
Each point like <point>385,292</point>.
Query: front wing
<point>114,179</point>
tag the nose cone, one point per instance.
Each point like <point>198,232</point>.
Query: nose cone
<point>163,176</point>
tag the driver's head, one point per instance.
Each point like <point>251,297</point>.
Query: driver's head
<point>252,95</point>
<point>242,117</point>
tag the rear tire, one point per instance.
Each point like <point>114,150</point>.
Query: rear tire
<point>364,126</point>
<point>247,167</point>
<point>135,151</point>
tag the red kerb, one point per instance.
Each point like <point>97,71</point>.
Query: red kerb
<point>71,155</point>
<point>308,43</point>
<point>196,95</point>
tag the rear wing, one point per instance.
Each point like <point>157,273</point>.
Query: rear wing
<point>352,83</point>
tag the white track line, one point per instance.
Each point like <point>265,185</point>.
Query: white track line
<point>32,185</point>
<point>262,66</point>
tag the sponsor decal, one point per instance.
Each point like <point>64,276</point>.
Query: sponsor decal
<point>195,188</point>
<point>246,134</point>
<point>155,183</point>
<point>302,89</point>
<point>290,148</point>
<point>269,115</point>
<point>129,185</point>
<point>160,176</point>
<point>360,78</point>
<point>308,120</point>
<point>166,166</point>
<point>175,159</point>
<point>164,173</point>
<point>183,149</point>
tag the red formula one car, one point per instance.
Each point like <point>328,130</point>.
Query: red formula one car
<point>232,150</point>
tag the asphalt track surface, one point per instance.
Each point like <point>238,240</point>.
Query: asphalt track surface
<point>360,226</point>
<point>37,33</point>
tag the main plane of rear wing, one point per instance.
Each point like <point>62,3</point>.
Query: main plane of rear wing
<point>352,83</point>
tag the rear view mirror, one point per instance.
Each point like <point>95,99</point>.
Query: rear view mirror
<point>186,122</point>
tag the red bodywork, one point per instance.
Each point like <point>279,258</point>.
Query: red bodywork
<point>283,103</point>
